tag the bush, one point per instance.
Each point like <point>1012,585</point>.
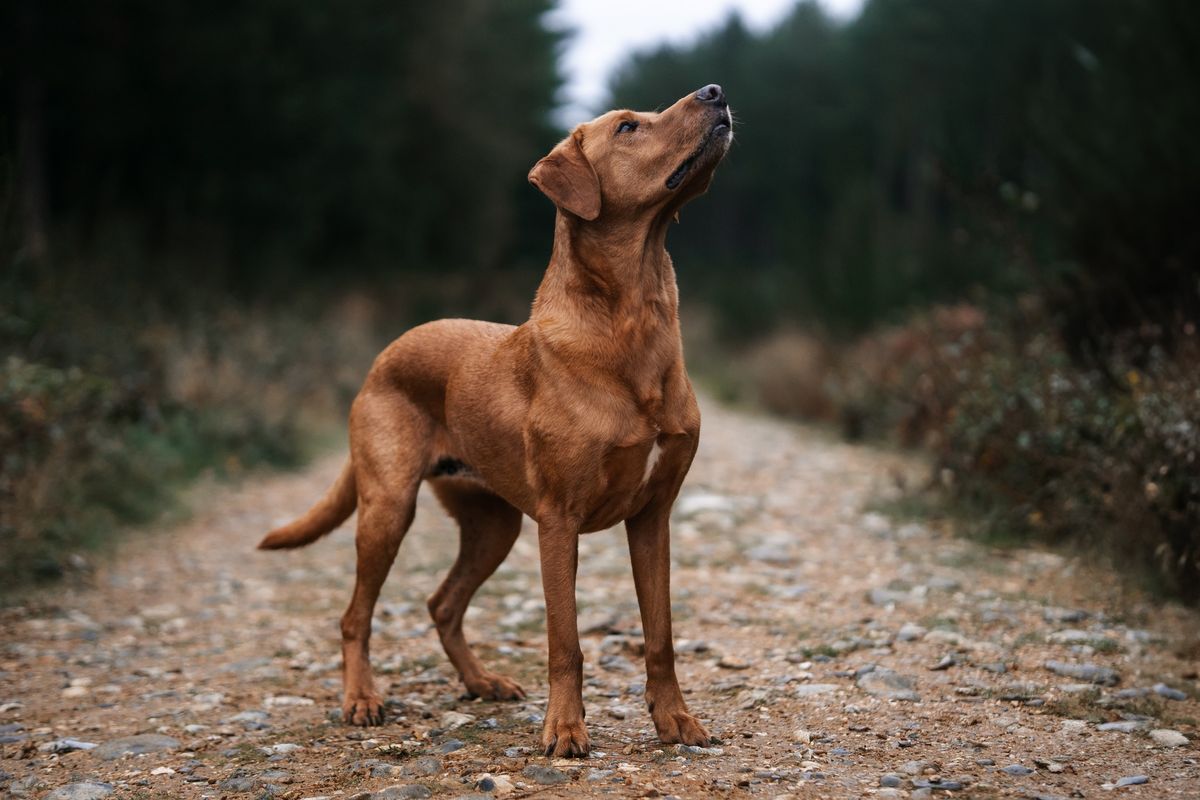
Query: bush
<point>1106,457</point>
<point>144,407</point>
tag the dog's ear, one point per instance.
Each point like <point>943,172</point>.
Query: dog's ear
<point>567,178</point>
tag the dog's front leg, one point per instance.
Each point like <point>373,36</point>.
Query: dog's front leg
<point>564,733</point>
<point>649,535</point>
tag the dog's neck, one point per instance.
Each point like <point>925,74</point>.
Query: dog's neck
<point>623,263</point>
<point>609,295</point>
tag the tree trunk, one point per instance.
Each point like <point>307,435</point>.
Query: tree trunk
<point>31,133</point>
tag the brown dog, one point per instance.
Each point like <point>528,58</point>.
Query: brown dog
<point>582,417</point>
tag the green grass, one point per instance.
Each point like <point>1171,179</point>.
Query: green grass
<point>820,650</point>
<point>128,475</point>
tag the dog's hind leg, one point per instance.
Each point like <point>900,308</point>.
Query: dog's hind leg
<point>390,441</point>
<point>488,526</point>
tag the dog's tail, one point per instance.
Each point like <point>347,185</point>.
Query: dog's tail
<point>329,512</point>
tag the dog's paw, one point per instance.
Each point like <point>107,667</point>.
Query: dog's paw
<point>363,711</point>
<point>680,727</point>
<point>492,686</point>
<point>565,738</point>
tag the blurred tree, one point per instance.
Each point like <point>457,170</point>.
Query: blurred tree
<point>277,138</point>
<point>929,147</point>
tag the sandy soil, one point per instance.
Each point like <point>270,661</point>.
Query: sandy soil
<point>835,652</point>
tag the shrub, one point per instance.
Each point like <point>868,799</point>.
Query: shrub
<point>1106,456</point>
<point>144,407</point>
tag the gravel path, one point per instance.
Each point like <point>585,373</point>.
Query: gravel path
<point>835,652</point>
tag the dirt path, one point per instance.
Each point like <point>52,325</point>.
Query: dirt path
<point>835,652</point>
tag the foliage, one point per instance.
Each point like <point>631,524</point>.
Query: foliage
<point>277,141</point>
<point>1026,440</point>
<point>928,148</point>
<point>145,406</point>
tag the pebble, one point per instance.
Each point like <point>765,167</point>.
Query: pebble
<point>812,689</point>
<point>595,775</point>
<point>944,584</point>
<point>546,776</point>
<point>1162,690</point>
<point>251,720</point>
<point>407,791</point>
<point>945,663</point>
<point>1132,780</point>
<point>1064,615</point>
<point>615,663</point>
<point>425,765</point>
<point>889,685</point>
<point>451,745</point>
<point>1165,737</point>
<point>1124,726</point>
<point>694,750</point>
<point>240,781</point>
<point>65,746</point>
<point>87,790</point>
<point>1076,688</point>
<point>891,780</point>
<point>770,554</point>
<point>1091,673</point>
<point>731,662</point>
<point>887,597</point>
<point>946,637</point>
<point>694,502</point>
<point>1017,770</point>
<point>504,785</point>
<point>949,786</point>
<point>272,701</point>
<point>910,632</point>
<point>135,745</point>
<point>452,720</point>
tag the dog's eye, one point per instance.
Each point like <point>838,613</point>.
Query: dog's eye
<point>627,126</point>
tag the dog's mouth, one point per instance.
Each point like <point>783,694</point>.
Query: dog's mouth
<point>720,131</point>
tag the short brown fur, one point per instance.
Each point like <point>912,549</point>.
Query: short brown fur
<point>581,418</point>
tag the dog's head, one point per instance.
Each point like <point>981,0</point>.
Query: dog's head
<point>634,163</point>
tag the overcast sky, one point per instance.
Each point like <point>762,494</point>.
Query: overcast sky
<point>607,30</point>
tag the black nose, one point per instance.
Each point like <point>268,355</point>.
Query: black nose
<point>713,95</point>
